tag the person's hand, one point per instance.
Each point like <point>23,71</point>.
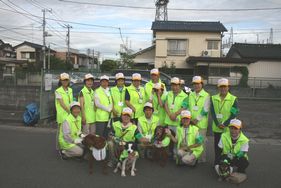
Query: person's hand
<point>83,121</point>
<point>194,122</point>
<point>168,132</point>
<point>221,126</point>
<point>78,141</point>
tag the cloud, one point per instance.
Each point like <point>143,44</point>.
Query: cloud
<point>133,21</point>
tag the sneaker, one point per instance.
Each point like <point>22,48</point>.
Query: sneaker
<point>62,155</point>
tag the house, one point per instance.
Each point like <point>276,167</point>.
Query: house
<point>175,41</point>
<point>31,52</point>
<point>79,60</point>
<point>8,61</point>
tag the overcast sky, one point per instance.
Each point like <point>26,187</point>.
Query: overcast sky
<point>135,24</point>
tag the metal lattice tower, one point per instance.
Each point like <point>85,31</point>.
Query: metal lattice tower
<point>161,10</point>
<point>270,41</point>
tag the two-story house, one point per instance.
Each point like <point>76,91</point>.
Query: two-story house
<point>175,41</point>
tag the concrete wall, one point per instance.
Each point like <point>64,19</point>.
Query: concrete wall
<point>267,69</point>
<point>196,43</point>
<point>17,97</point>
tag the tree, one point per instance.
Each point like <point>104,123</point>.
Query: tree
<point>126,61</point>
<point>59,64</point>
<point>108,65</point>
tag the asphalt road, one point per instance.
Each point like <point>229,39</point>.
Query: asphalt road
<point>28,159</point>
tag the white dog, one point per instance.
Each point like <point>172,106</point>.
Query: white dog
<point>127,159</point>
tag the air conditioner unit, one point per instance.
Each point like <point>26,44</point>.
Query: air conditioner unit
<point>206,53</point>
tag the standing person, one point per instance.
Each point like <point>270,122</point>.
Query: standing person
<point>118,96</point>
<point>103,102</point>
<point>155,78</point>
<point>198,103</point>
<point>86,99</point>
<point>70,142</point>
<point>235,146</point>
<point>173,104</point>
<point>224,107</point>
<point>64,98</point>
<point>135,97</point>
<point>188,140</point>
<point>158,101</point>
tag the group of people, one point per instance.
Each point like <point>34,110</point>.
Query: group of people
<point>132,113</point>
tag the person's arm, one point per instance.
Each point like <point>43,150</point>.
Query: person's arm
<point>62,104</point>
<point>243,150</point>
<point>99,105</point>
<point>67,132</point>
<point>204,111</point>
<point>127,101</point>
<point>170,135</point>
<point>82,102</point>
<point>198,141</point>
<point>233,113</point>
<point>213,113</point>
<point>140,137</point>
<point>139,128</point>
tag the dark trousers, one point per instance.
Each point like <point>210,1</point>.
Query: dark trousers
<point>218,151</point>
<point>241,163</point>
<point>101,129</point>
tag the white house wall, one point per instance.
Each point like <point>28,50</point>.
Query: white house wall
<point>23,48</point>
<point>266,69</point>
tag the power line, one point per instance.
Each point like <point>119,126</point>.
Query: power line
<point>175,9</point>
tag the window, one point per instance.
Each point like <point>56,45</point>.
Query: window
<point>28,55</point>
<point>177,47</point>
<point>213,45</point>
<point>219,71</point>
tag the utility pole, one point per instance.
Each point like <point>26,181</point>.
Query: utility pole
<point>271,36</point>
<point>68,43</point>
<point>45,34</point>
<point>49,57</point>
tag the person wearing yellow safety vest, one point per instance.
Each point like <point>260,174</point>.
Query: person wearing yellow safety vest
<point>86,99</point>
<point>64,98</point>
<point>223,108</point>
<point>155,78</point>
<point>158,101</point>
<point>188,140</point>
<point>118,96</point>
<point>198,103</point>
<point>123,131</point>
<point>70,142</point>
<point>147,124</point>
<point>173,104</point>
<point>104,105</point>
<point>135,97</point>
<point>235,146</point>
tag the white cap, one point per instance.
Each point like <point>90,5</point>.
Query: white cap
<point>127,111</point>
<point>223,82</point>
<point>175,80</point>
<point>119,76</point>
<point>154,71</point>
<point>157,86</point>
<point>235,123</point>
<point>185,114</point>
<point>88,76</point>
<point>104,77</point>
<point>136,76</point>
<point>182,82</point>
<point>75,103</point>
<point>64,76</point>
<point>197,79</point>
<point>148,104</point>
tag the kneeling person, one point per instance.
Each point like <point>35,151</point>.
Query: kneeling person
<point>188,140</point>
<point>70,142</point>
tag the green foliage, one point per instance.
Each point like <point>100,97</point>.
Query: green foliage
<point>58,64</point>
<point>108,65</point>
<point>126,61</point>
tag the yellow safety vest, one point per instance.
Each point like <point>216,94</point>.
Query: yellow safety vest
<point>67,98</point>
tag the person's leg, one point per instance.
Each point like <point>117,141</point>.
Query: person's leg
<point>92,128</point>
<point>86,129</point>
<point>203,157</point>
<point>100,129</point>
<point>75,151</point>
<point>111,152</point>
<point>174,150</point>
<point>241,163</point>
<point>217,137</point>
